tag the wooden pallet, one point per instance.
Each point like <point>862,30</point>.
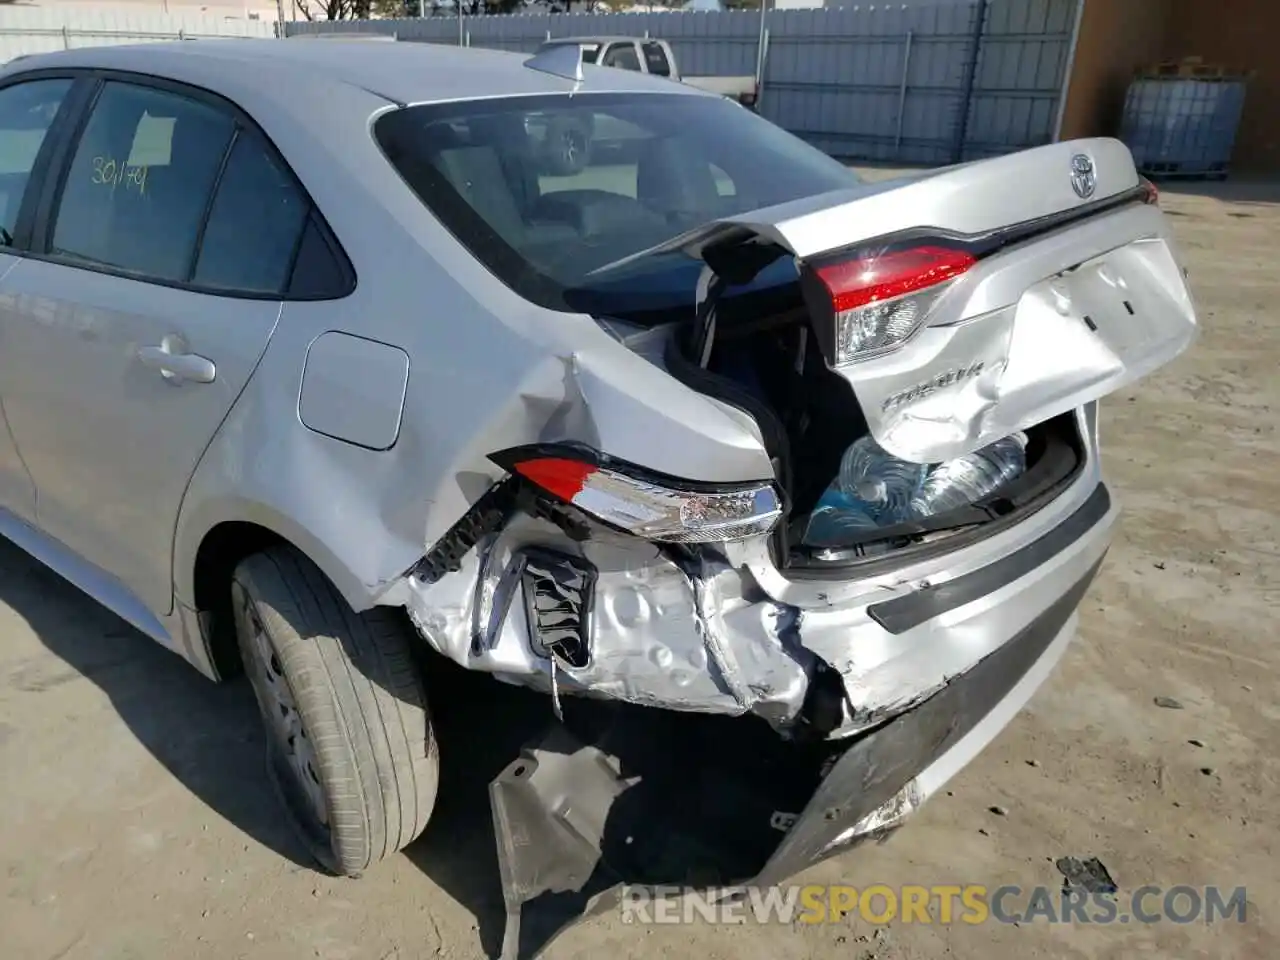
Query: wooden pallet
<point>1192,68</point>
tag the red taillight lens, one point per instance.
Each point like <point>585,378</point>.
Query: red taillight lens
<point>1150,192</point>
<point>656,508</point>
<point>856,283</point>
<point>562,478</point>
<point>880,300</point>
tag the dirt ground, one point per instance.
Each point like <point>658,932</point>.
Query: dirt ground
<point>135,823</point>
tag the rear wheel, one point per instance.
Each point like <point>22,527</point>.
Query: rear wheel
<point>350,744</point>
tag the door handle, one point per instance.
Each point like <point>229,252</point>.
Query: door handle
<point>175,364</point>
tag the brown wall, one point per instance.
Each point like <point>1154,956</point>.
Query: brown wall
<point>1240,34</point>
<point>1116,38</point>
<point>1119,36</point>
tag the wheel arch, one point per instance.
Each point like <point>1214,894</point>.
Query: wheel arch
<point>207,552</point>
<point>220,551</point>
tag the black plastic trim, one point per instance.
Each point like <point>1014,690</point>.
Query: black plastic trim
<point>981,244</point>
<point>902,613</point>
<point>571,604</point>
<point>55,136</point>
<point>198,248</point>
<point>485,517</point>
<point>70,124</point>
<point>490,514</point>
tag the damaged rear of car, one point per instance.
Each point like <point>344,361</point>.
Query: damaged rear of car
<point>901,381</point>
<point>779,489</point>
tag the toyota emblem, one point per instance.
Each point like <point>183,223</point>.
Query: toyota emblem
<point>1084,178</point>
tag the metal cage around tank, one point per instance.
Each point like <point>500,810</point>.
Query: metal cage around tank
<point>1180,120</point>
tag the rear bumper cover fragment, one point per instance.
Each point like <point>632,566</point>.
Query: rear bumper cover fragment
<point>902,613</point>
<point>564,814</point>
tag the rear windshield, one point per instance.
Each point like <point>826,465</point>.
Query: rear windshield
<point>544,190</point>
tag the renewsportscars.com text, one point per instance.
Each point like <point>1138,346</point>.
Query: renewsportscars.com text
<point>938,904</point>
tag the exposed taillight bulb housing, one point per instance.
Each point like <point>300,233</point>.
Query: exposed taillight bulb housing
<point>645,504</point>
<point>879,300</point>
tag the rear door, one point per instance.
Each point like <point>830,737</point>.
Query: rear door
<point>28,110</point>
<point>153,286</point>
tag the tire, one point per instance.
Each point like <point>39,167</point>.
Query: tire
<point>350,744</point>
<point>568,148</point>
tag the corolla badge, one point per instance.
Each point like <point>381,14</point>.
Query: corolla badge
<point>1084,178</point>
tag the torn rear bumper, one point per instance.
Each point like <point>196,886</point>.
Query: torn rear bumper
<point>575,827</point>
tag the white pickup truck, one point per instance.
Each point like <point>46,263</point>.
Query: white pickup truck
<point>656,57</point>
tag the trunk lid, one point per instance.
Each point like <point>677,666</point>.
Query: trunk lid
<point>1041,282</point>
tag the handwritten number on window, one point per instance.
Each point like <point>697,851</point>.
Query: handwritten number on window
<point>113,173</point>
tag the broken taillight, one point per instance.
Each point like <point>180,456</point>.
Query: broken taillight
<point>642,503</point>
<point>1150,192</point>
<point>878,300</point>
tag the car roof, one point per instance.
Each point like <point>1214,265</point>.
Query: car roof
<point>401,72</point>
<point>599,38</point>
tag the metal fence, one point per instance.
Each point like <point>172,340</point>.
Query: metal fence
<point>1022,65</point>
<point>39,31</point>
<point>922,81</point>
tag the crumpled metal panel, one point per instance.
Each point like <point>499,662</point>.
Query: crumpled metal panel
<point>563,806</point>
<point>663,634</point>
<point>1023,335</point>
<point>1004,352</point>
<point>719,635</point>
<point>550,808</point>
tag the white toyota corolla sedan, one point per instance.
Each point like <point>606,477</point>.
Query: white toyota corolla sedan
<point>318,359</point>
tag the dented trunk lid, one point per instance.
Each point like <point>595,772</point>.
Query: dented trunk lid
<point>1075,289</point>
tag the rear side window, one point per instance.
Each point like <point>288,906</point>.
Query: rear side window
<point>254,225</point>
<point>622,55</point>
<point>140,181</point>
<point>27,111</point>
<point>320,271</point>
<point>655,59</point>
<point>171,188</point>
